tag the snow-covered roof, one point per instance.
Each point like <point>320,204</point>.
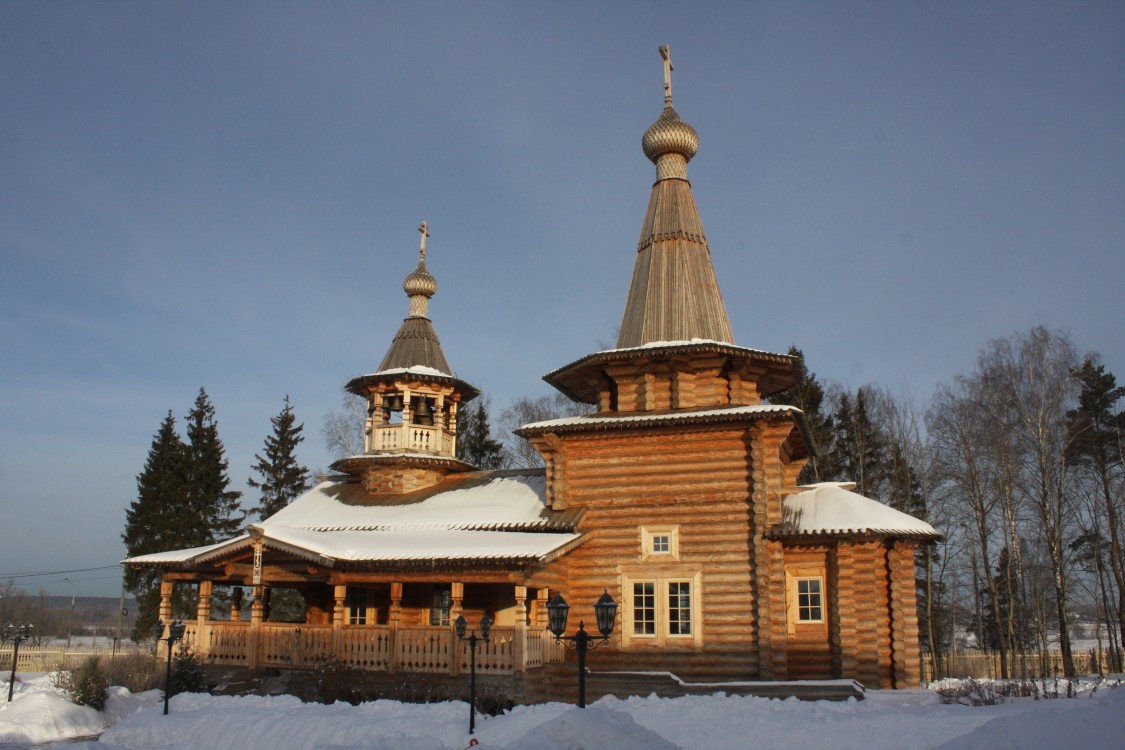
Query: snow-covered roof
<point>700,415</point>
<point>687,342</point>
<point>182,555</point>
<point>412,370</point>
<point>480,516</point>
<point>831,508</point>
<point>484,500</point>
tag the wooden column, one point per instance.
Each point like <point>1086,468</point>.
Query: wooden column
<point>541,598</point>
<point>519,650</point>
<point>203,619</point>
<point>257,610</point>
<point>339,615</point>
<point>904,616</point>
<point>456,608</point>
<point>236,605</point>
<point>165,611</point>
<point>394,617</point>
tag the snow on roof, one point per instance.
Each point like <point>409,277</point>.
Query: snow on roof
<point>480,516</point>
<point>832,508</point>
<point>418,544</point>
<point>181,555</point>
<point>483,501</point>
<point>686,342</point>
<point>412,370</point>
<point>702,414</point>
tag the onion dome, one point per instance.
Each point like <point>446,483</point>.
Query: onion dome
<point>670,135</point>
<point>420,282</point>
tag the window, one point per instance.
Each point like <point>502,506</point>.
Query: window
<point>661,610</point>
<point>660,542</point>
<point>810,601</point>
<point>442,601</point>
<point>679,608</point>
<point>356,603</point>
<point>644,608</point>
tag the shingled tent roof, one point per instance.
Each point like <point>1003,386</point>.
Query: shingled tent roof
<point>674,295</point>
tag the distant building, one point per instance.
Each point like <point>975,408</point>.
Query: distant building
<point>678,495</point>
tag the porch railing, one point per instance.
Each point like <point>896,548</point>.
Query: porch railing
<point>375,647</point>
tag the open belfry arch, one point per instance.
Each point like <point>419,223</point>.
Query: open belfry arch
<point>677,494</point>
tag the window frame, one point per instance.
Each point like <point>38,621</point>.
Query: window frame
<point>649,535</point>
<point>662,578</point>
<point>820,600</point>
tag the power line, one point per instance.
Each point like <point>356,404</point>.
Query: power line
<point>6,576</point>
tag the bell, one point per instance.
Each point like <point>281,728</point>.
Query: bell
<point>424,413</point>
<point>393,402</point>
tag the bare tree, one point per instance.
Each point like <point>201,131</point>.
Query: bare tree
<point>343,429</point>
<point>517,451</point>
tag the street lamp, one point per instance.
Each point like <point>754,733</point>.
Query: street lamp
<point>605,612</point>
<point>460,625</point>
<point>16,634</point>
<point>175,633</point>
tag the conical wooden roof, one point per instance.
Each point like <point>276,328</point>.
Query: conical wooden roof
<point>674,295</point>
<point>416,342</point>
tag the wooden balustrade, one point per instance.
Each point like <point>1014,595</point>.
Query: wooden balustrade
<point>375,647</point>
<point>412,437</point>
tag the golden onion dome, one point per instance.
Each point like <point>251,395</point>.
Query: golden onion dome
<point>670,135</point>
<point>420,282</point>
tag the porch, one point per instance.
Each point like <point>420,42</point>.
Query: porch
<point>376,647</point>
<point>379,626</point>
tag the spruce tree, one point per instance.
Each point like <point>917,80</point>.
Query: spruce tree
<point>475,444</point>
<point>213,508</point>
<point>281,478</point>
<point>155,520</point>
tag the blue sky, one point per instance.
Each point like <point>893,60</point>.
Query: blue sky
<point>226,195</point>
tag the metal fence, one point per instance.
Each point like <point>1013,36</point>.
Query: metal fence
<point>987,664</point>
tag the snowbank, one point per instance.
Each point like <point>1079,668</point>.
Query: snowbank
<point>908,719</point>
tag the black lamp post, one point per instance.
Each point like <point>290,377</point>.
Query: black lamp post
<point>17,634</point>
<point>485,628</point>
<point>605,612</point>
<point>175,633</point>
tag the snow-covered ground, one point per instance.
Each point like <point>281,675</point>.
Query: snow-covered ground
<point>884,721</point>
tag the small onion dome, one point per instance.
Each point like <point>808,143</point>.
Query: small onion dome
<point>670,135</point>
<point>420,282</point>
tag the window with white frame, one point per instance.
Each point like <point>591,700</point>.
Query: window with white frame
<point>663,609</point>
<point>810,599</point>
<point>660,542</point>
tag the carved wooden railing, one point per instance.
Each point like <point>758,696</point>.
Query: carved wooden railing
<point>412,437</point>
<point>375,647</point>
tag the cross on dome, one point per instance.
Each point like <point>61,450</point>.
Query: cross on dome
<point>424,228</point>
<point>667,57</point>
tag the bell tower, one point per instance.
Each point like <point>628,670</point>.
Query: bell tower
<point>410,433</point>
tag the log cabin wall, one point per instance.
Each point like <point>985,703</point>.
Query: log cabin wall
<point>860,617</point>
<point>904,616</point>
<point>713,490</point>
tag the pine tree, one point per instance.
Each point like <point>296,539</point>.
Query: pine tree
<point>155,520</point>
<point>475,444</point>
<point>213,508</point>
<point>282,478</point>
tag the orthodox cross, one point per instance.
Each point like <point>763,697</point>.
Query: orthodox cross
<point>667,57</point>
<point>424,228</point>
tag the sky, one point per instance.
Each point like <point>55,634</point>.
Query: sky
<point>226,195</point>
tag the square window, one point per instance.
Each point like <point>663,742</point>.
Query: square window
<point>644,608</point>
<point>660,541</point>
<point>810,600</point>
<point>661,544</point>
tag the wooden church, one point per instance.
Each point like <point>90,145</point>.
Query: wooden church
<point>677,495</point>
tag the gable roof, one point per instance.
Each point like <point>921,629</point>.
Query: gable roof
<point>832,509</point>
